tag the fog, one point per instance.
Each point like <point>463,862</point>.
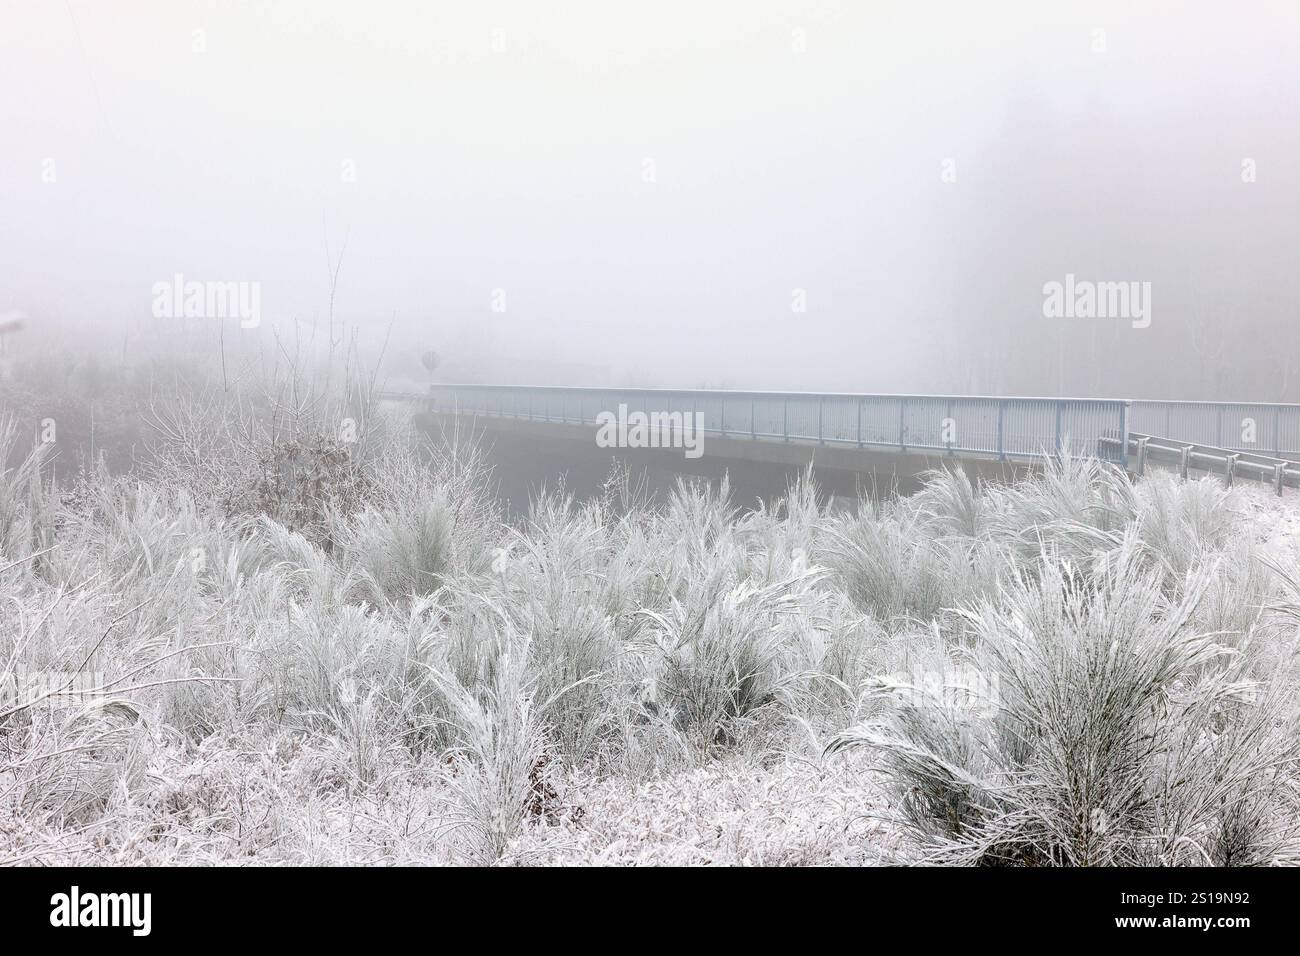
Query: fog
<point>333,531</point>
<point>817,195</point>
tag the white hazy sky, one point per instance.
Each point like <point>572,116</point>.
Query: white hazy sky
<point>504,145</point>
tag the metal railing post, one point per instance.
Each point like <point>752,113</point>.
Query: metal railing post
<point>785,418</point>
<point>819,419</point>
<point>1002,413</point>
<point>1123,435</point>
<point>902,425</point>
<point>951,444</point>
<point>859,423</point>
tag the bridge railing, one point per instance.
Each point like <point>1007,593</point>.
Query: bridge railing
<point>1262,428</point>
<point>1004,428</point>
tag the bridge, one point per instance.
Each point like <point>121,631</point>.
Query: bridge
<point>852,440</point>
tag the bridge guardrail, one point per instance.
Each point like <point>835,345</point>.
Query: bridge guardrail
<point>1003,428</point>
<point>1274,428</point>
<point>1185,457</point>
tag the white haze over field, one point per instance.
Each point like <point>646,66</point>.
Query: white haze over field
<point>789,146</point>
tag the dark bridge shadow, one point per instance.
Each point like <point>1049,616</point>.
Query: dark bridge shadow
<point>528,456</point>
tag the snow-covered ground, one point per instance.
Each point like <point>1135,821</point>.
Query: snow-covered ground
<point>731,812</point>
<point>239,801</point>
<point>1277,518</point>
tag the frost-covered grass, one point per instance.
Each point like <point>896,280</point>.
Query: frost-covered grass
<point>1070,670</point>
